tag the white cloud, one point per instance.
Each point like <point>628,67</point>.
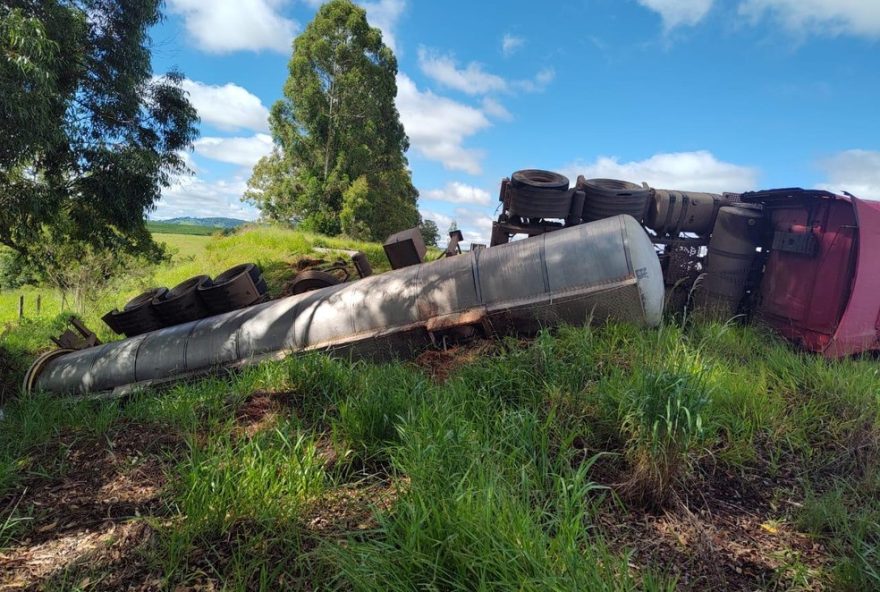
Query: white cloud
<point>495,109</point>
<point>693,171</point>
<point>542,79</point>
<point>510,44</point>
<point>244,152</point>
<point>829,17</point>
<point>472,80</point>
<point>224,26</point>
<point>855,171</point>
<point>460,193</point>
<point>676,13</point>
<point>194,196</point>
<point>476,226</point>
<point>384,14</point>
<point>442,220</point>
<point>228,107</point>
<point>438,126</point>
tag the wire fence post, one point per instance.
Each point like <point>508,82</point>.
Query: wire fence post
<point>39,303</point>
<point>21,306</point>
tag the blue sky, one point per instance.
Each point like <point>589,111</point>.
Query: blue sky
<point>713,95</point>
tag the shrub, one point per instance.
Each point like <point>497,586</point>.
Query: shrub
<point>661,419</point>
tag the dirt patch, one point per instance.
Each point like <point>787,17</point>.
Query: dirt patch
<point>351,508</point>
<point>439,364</point>
<point>734,533</point>
<point>261,411</point>
<point>91,516</point>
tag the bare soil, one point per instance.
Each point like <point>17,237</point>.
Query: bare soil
<point>92,516</point>
<point>733,532</point>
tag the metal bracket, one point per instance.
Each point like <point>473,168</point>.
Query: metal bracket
<point>83,338</point>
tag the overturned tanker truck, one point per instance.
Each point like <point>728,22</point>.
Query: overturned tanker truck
<point>604,270</point>
<point>797,260</point>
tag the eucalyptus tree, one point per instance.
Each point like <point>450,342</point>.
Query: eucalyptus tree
<point>340,163</point>
<point>88,135</point>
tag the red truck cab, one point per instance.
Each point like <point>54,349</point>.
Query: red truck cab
<point>821,280</point>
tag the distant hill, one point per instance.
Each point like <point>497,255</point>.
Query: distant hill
<point>210,222</point>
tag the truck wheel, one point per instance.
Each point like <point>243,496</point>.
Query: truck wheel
<point>235,288</point>
<point>183,304</point>
<point>307,281</point>
<point>605,198</point>
<point>138,315</point>
<point>534,193</point>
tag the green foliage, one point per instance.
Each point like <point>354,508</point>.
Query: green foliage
<point>340,164</point>
<point>89,136</point>
<point>16,271</point>
<point>849,515</point>
<point>662,422</point>
<point>430,232</point>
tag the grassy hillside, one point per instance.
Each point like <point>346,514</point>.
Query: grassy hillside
<point>276,250</point>
<point>273,248</point>
<point>176,228</point>
<point>704,457</point>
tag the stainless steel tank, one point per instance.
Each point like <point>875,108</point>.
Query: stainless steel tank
<point>587,273</point>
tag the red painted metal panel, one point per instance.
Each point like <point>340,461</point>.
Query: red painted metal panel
<point>803,296</point>
<point>858,327</point>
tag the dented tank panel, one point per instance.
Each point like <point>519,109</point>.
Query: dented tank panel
<point>588,273</point>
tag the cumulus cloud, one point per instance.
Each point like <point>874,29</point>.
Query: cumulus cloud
<point>855,171</point>
<point>676,13</point>
<point>460,193</point>
<point>438,126</point>
<point>510,44</point>
<point>242,151</point>
<point>831,17</point>
<point>224,26</point>
<point>495,109</point>
<point>476,226</point>
<point>473,79</point>
<point>442,220</point>
<point>194,196</point>
<point>384,14</point>
<point>537,84</point>
<point>228,107</point>
<point>694,171</point>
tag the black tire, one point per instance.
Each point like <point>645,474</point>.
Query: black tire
<point>535,193</point>
<point>539,179</point>
<point>183,304</point>
<point>137,316</point>
<point>307,281</point>
<point>605,198</point>
<point>146,297</point>
<point>235,288</point>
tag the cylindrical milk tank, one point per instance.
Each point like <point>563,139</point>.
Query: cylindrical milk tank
<point>683,211</point>
<point>586,273</point>
<point>732,251</point>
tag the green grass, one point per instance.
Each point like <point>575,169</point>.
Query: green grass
<point>158,227</point>
<point>273,248</point>
<point>490,476</point>
<point>374,477</point>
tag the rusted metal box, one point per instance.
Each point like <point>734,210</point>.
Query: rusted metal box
<point>405,248</point>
